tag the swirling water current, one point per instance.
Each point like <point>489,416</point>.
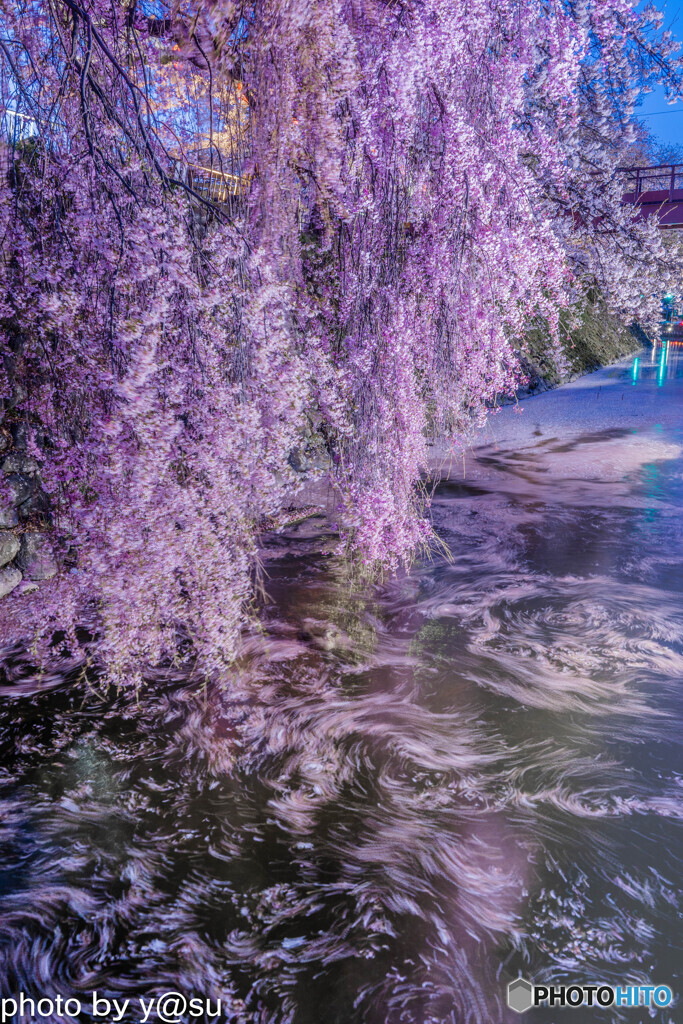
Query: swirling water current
<point>407,792</point>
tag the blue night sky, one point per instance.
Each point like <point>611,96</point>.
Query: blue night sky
<point>665,121</point>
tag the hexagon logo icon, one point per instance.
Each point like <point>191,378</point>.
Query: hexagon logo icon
<point>520,995</point>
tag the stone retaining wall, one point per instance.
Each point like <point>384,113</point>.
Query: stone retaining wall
<point>26,552</point>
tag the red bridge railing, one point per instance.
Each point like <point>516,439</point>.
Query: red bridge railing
<point>656,191</point>
<point>660,178</point>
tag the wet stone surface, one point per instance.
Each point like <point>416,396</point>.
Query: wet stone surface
<point>9,546</point>
<point>36,557</point>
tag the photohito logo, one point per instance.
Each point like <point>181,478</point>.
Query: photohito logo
<point>522,995</point>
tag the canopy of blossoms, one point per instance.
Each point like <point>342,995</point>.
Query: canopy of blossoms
<point>412,185</point>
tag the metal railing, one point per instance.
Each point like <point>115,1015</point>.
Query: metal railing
<point>217,186</point>
<point>660,178</point>
<point>17,127</point>
<point>213,185</point>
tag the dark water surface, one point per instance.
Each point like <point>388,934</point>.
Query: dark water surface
<point>409,792</point>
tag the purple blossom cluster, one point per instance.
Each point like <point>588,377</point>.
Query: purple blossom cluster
<point>422,182</point>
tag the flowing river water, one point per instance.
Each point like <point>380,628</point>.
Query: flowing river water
<point>409,792</point>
